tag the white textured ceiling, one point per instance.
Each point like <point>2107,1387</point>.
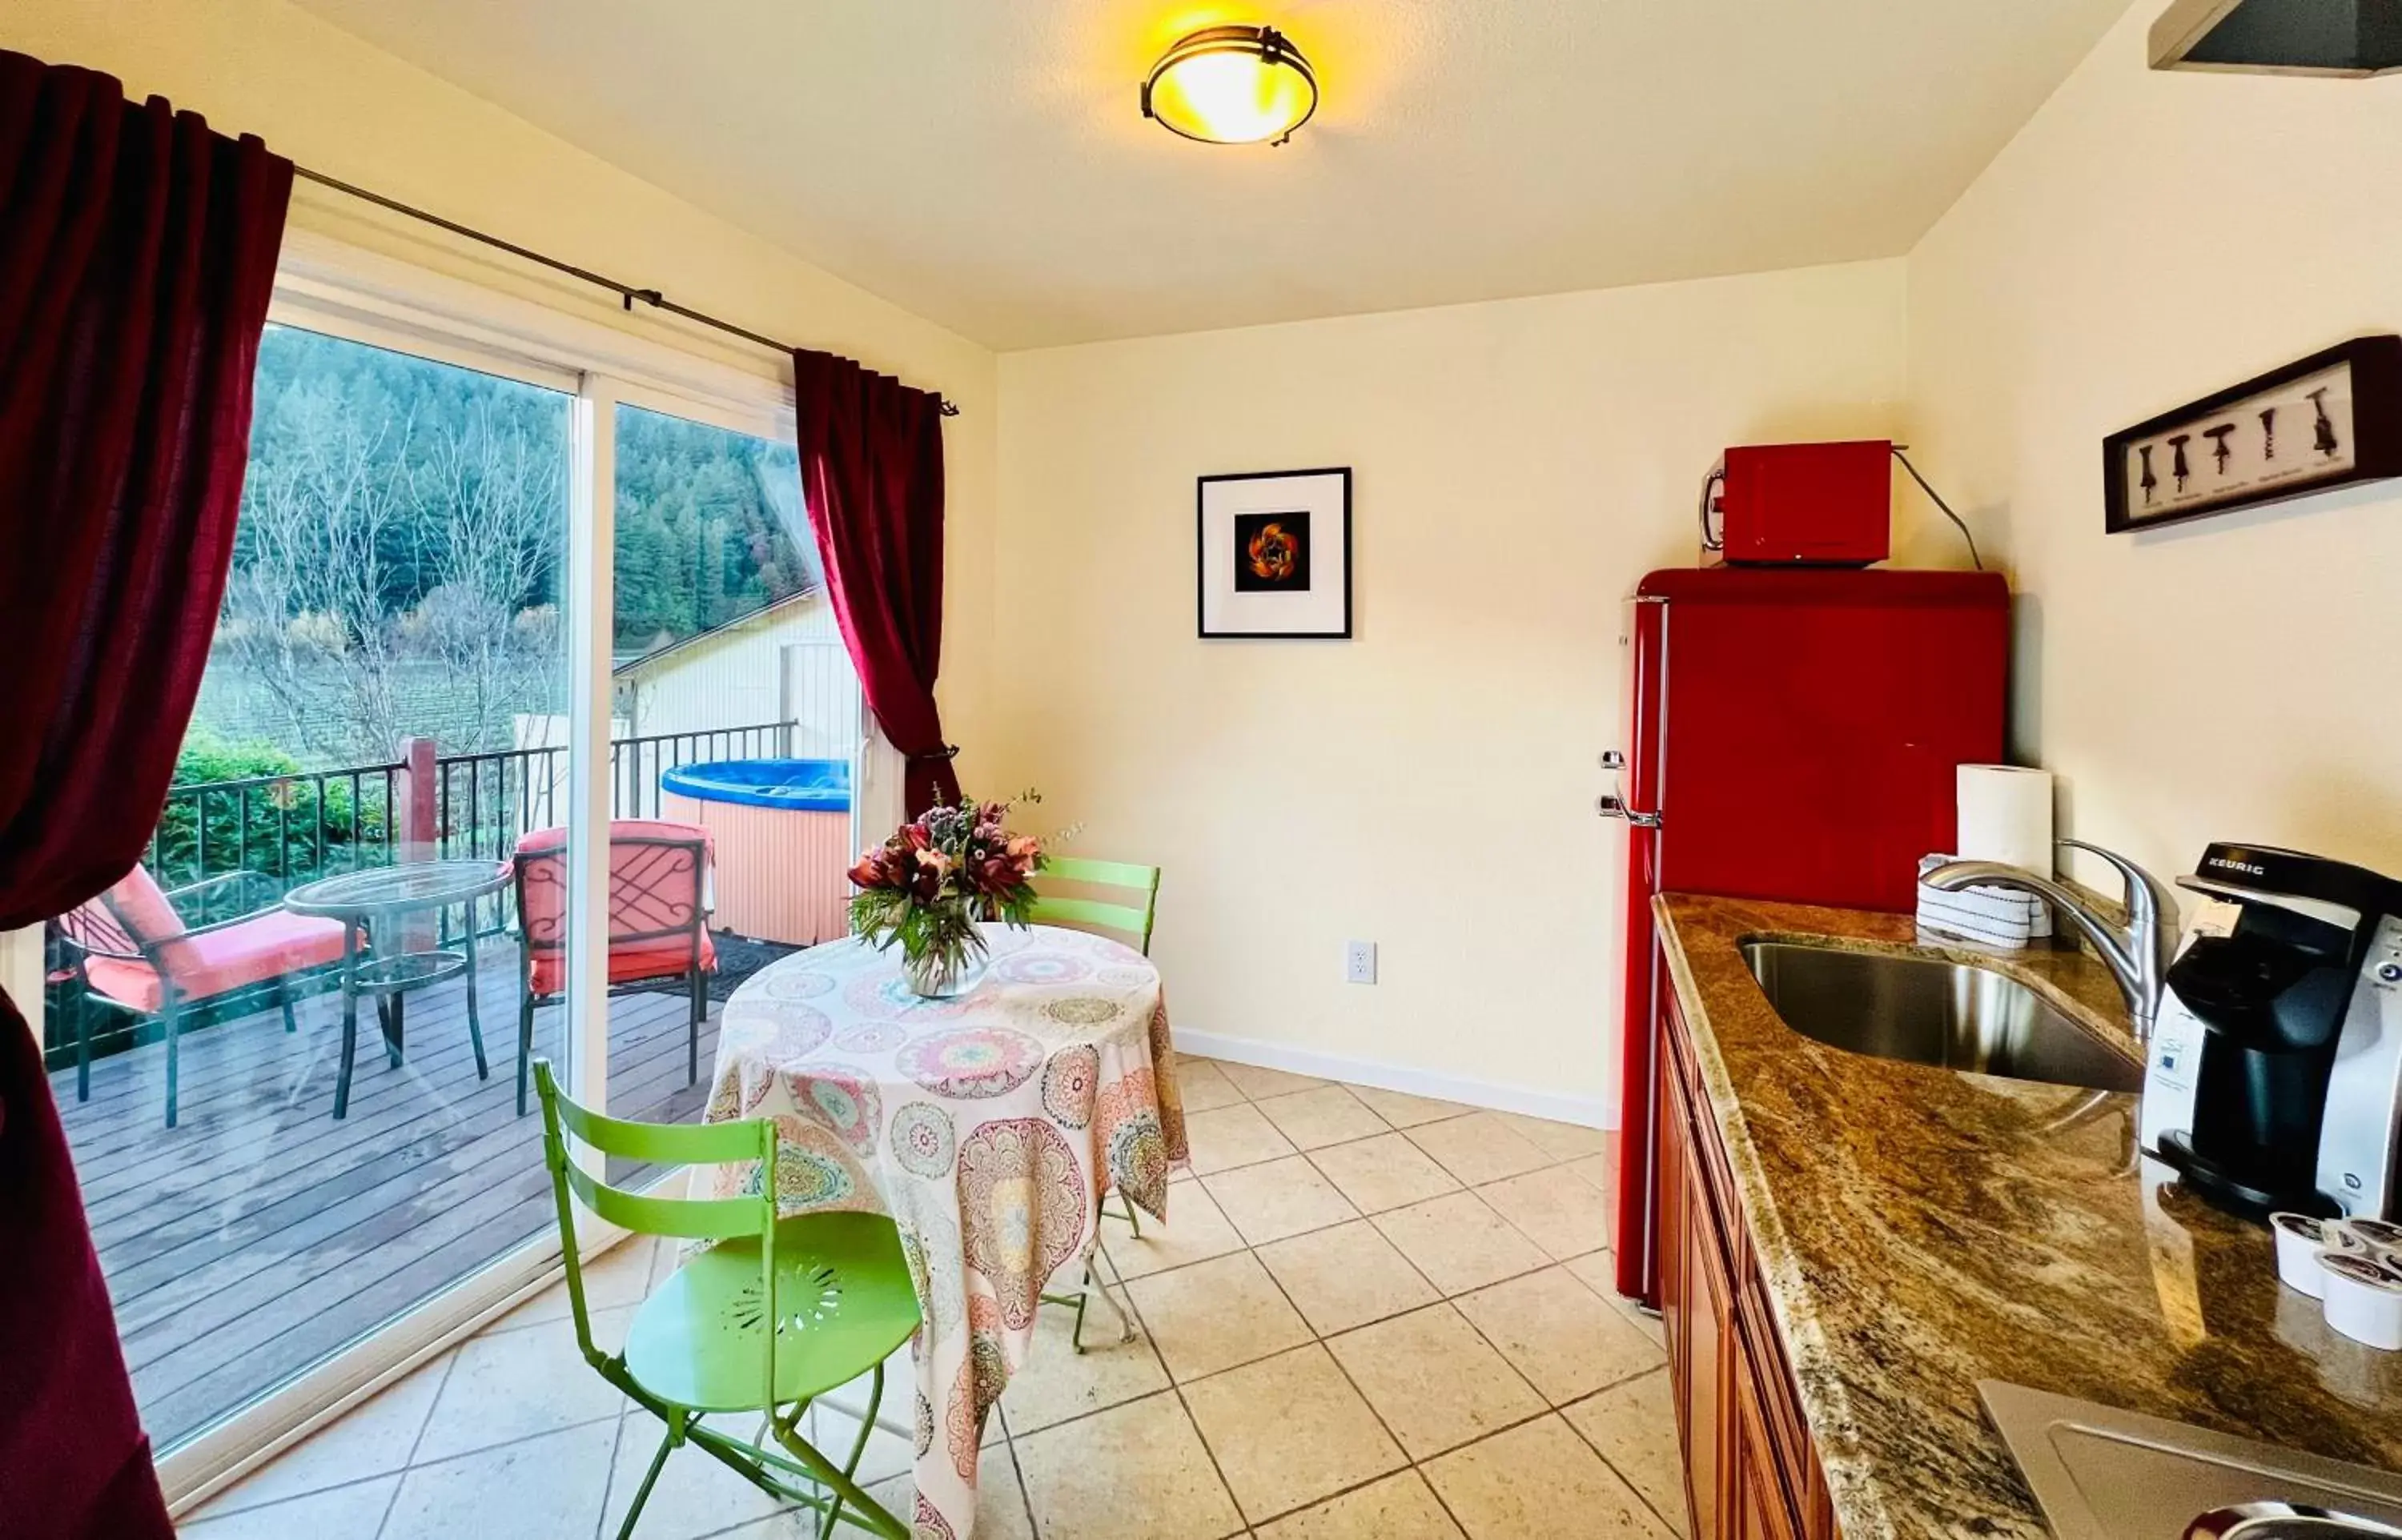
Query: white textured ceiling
<point>982,162</point>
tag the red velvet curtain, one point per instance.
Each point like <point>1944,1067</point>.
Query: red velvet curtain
<point>872,475</point>
<point>137,252</point>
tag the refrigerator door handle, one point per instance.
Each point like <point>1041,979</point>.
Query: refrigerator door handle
<point>1609,805</point>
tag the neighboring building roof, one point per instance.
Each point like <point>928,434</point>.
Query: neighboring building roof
<point>631,664</point>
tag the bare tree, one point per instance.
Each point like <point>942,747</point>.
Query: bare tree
<point>305,612</point>
<point>485,502</point>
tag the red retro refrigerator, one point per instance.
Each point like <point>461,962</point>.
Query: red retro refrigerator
<point>1792,735</point>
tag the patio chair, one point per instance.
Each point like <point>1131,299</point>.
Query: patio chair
<point>659,921</point>
<point>135,949</point>
<point>771,1316</point>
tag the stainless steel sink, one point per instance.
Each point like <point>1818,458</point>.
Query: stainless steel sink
<point>2101,1473</point>
<point>1928,1010</point>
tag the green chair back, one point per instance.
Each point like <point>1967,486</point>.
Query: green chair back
<point>648,1213</point>
<point>1097,914</point>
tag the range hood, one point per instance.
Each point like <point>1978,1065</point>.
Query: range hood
<point>2343,37</point>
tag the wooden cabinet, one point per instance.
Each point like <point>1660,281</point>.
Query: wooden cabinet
<point>1750,1472</point>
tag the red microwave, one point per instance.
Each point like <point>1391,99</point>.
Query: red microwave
<point>1799,504</point>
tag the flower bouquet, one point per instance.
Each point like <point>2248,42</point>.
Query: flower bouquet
<point>928,886</point>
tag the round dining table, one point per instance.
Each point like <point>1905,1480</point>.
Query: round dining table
<point>989,1126</point>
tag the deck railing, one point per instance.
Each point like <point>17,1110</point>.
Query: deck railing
<point>314,824</point>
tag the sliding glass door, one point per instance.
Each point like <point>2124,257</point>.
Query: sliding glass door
<point>287,1045</point>
<point>735,713</point>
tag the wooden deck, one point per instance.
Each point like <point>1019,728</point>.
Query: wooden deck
<point>260,1234</point>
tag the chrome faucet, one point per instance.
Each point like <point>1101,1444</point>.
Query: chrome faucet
<point>2138,957</point>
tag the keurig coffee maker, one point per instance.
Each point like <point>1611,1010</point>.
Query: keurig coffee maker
<point>2275,1071</point>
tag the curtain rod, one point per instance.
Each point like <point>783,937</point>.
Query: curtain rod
<point>625,291</point>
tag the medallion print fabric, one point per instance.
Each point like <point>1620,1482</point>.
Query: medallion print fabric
<point>982,1061</point>
<point>988,1127</point>
<point>1070,1082</point>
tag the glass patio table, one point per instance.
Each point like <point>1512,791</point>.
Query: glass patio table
<point>375,907</point>
<point>988,1126</point>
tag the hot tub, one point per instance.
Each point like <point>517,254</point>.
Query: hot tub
<point>783,832</point>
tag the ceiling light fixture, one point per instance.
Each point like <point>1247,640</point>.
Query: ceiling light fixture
<point>1232,85</point>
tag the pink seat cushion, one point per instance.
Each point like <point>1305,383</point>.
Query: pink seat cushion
<point>217,962</point>
<point>628,962</point>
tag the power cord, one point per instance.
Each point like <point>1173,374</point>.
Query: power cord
<point>1931,493</point>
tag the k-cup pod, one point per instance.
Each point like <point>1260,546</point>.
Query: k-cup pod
<point>2364,1299</point>
<point>2299,1240</point>
<point>2380,1234</point>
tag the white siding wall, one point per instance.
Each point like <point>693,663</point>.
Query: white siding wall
<point>736,678</point>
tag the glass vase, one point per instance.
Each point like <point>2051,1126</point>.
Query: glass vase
<point>946,973</point>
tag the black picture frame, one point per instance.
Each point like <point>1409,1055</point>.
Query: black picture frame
<point>2376,370</point>
<point>1201,563</point>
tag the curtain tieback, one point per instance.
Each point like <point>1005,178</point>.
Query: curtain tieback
<point>936,756</point>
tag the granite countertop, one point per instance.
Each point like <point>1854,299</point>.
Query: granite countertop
<point>1919,1231</point>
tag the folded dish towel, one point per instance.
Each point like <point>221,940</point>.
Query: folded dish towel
<point>1992,917</point>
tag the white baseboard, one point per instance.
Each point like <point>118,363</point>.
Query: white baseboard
<point>1590,1111</point>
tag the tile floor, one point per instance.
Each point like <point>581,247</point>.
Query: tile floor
<point>1374,1316</point>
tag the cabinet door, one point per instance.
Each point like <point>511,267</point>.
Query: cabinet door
<point>1766,1511</point>
<point>1669,1162</point>
<point>1710,1355</point>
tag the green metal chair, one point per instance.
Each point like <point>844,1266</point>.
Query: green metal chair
<point>834,1287</point>
<point>1096,914</point>
<point>1083,913</point>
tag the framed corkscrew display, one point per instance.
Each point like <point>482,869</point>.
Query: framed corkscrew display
<point>2326,420</point>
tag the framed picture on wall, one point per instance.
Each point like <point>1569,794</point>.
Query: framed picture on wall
<point>1275,553</point>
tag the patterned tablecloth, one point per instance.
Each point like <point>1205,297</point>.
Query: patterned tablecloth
<point>988,1127</point>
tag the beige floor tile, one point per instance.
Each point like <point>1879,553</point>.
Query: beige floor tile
<point>1436,1382</point>
<point>1202,1085</point>
<point>1232,1136</point>
<point>369,1440</point>
<point>1555,1208</point>
<point>1527,1481</point>
<point>1346,1277</point>
<point>1387,1172</point>
<point>355,1509</point>
<point>1196,1231</point>
<point>1599,1270</point>
<point>1216,1314</point>
<point>1634,1427</point>
<point>1320,1438</point>
<point>1257,1082</point>
<point>1158,1482</point>
<point>1058,1382</point>
<point>1479,1148</point>
<point>1330,1115</point>
<point>620,1275</point>
<point>515,1383</point>
<point>1601,1171</point>
<point>1403,1110</point>
<point>549,1488</point>
<point>1561,1141</point>
<point>999,1512</point>
<point>1279,1198</point>
<point>1559,1334</point>
<point>1399,1508</point>
<point>1459,1243</point>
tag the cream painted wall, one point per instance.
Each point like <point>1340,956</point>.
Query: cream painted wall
<point>1428,784</point>
<point>337,104</point>
<point>2146,239</point>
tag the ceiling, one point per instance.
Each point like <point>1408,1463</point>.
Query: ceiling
<point>983,162</point>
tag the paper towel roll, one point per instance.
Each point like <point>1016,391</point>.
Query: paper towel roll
<point>2006,815</point>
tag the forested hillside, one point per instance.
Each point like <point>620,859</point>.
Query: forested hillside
<point>399,563</point>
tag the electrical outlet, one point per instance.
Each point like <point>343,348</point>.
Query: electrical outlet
<point>1360,962</point>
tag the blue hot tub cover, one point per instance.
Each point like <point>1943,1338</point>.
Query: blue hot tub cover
<point>797,786</point>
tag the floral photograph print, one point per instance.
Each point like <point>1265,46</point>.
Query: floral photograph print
<point>1275,553</point>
